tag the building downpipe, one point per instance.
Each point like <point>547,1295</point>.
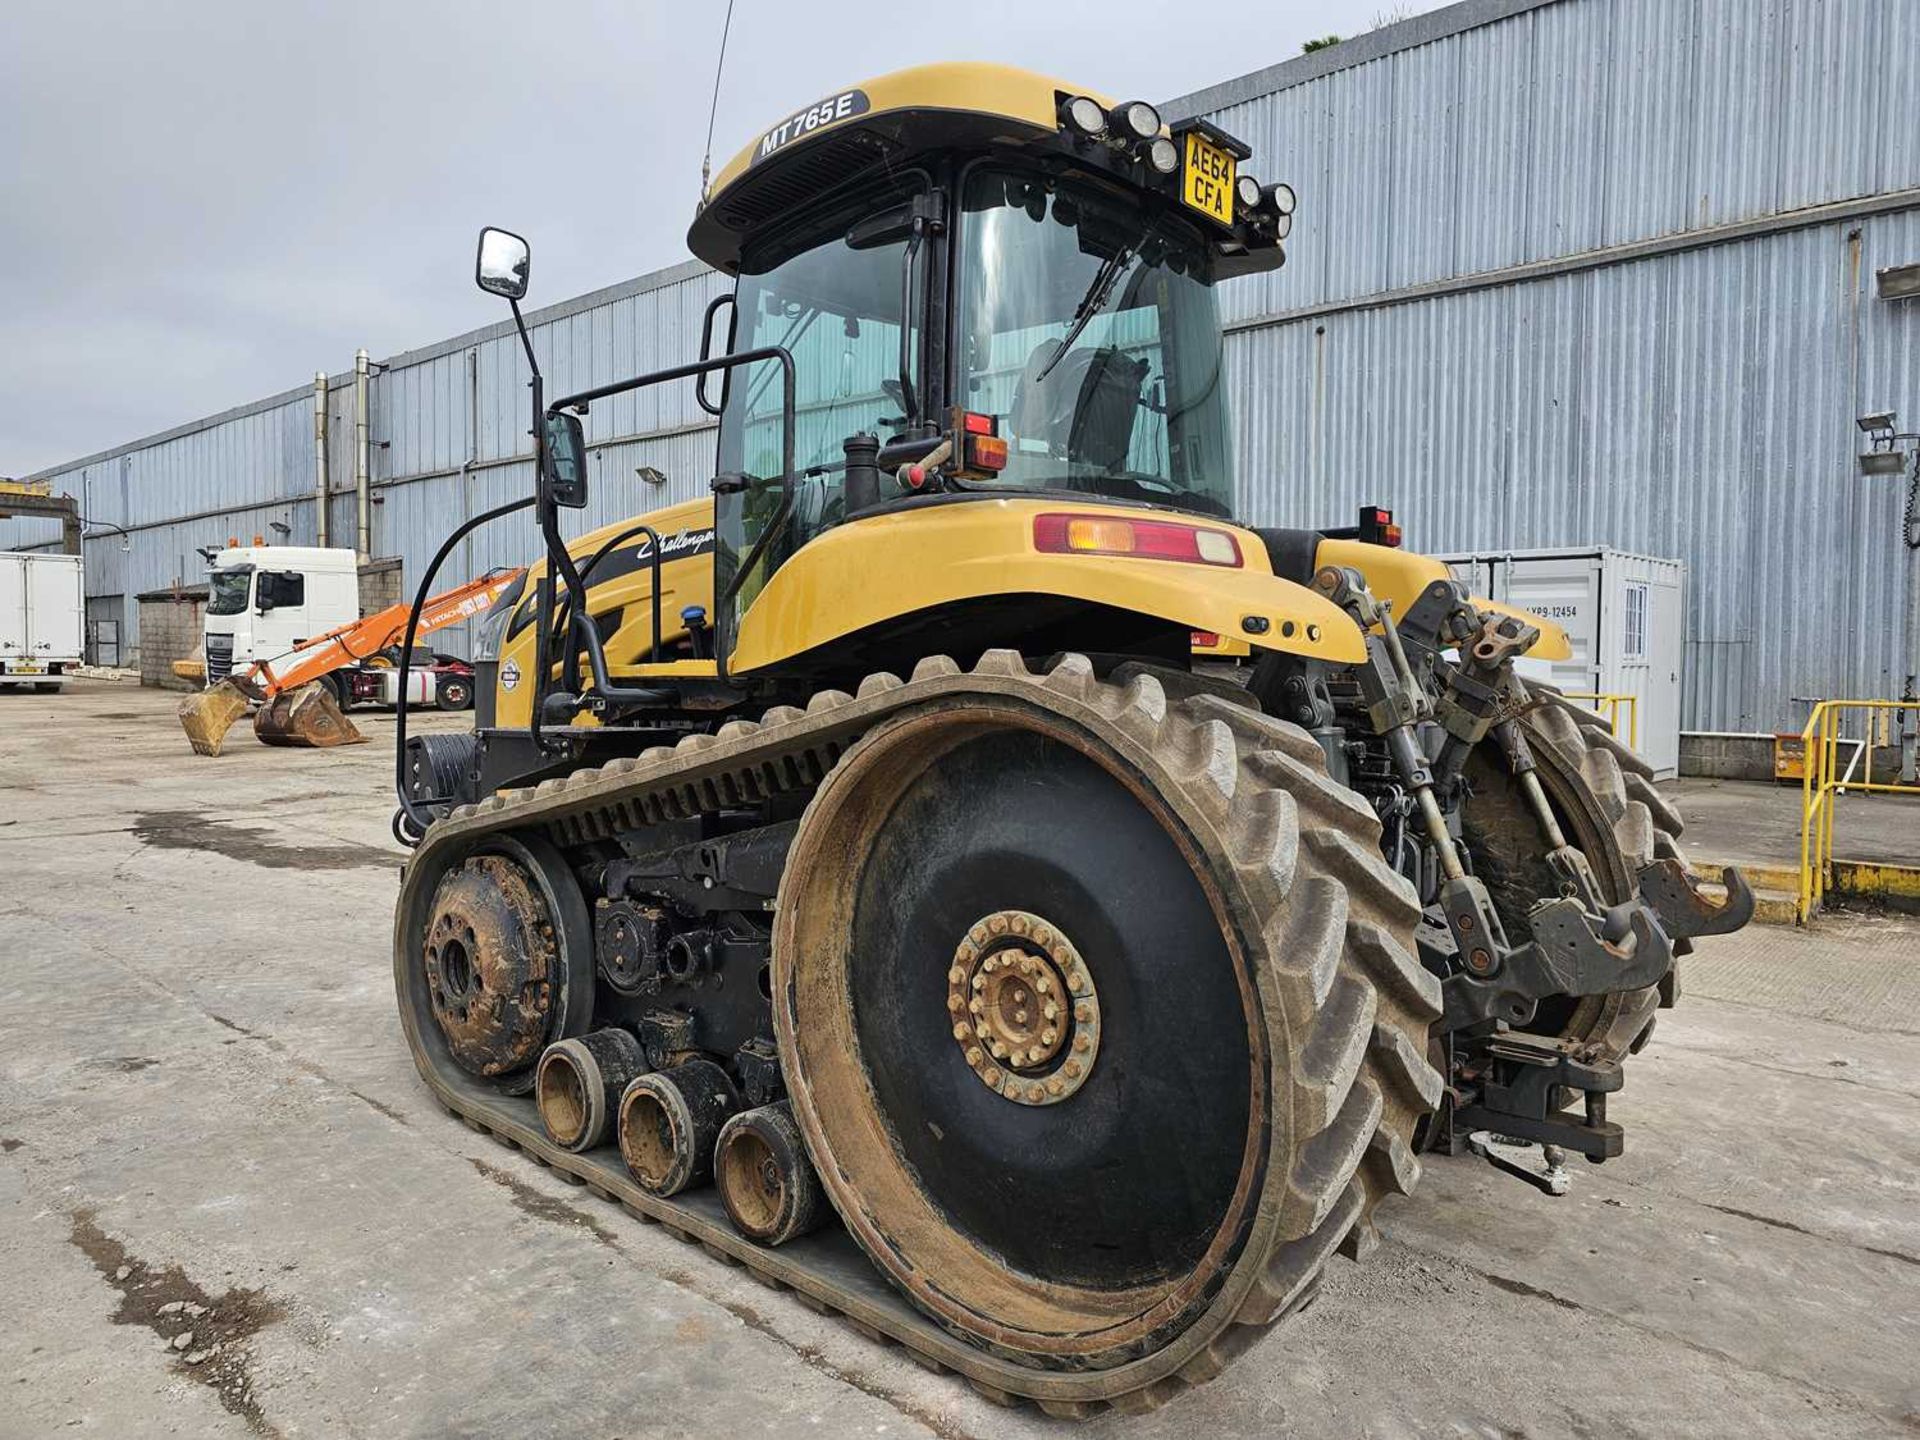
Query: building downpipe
<point>320,457</point>
<point>362,498</point>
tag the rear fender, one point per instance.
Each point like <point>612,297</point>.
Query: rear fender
<point>1399,576</point>
<point>864,574</point>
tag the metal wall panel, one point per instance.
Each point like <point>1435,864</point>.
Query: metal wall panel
<point>1697,403</point>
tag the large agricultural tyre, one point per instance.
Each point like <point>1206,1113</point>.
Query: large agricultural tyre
<point>1604,796</point>
<point>1101,1017</point>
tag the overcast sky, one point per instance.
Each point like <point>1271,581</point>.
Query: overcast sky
<point>202,204</point>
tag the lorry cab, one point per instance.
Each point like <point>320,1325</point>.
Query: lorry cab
<point>264,600</point>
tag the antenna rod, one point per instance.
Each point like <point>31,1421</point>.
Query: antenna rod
<point>719,68</point>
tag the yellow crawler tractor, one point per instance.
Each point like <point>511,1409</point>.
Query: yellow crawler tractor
<point>860,870</point>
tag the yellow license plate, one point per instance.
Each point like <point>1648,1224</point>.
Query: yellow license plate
<point>1207,185</point>
<point>29,667</point>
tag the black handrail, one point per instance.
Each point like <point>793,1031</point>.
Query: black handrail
<point>409,826</point>
<point>572,662</point>
<point>706,349</point>
<point>561,559</point>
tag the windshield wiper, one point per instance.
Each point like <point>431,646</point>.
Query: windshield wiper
<point>1092,303</point>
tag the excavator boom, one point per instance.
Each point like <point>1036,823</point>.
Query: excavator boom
<point>296,710</point>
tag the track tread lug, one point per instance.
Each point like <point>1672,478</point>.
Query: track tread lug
<point>1640,788</point>
<point>1327,1161</point>
<point>878,683</point>
<point>1267,732</point>
<point>1002,662</point>
<point>1395,969</point>
<point>1405,1068</point>
<point>1294,1266</point>
<point>1336,1048</point>
<point>934,667</point>
<point>1393,1161</point>
<point>1073,676</point>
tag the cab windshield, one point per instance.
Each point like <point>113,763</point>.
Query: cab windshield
<point>228,591</point>
<point>1090,331</point>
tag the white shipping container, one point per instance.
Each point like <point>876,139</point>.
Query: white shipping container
<point>42,618</point>
<point>1625,615</point>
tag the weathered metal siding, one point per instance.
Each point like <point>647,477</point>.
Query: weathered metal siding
<point>1575,126</point>
<point>1696,402</point>
<point>1697,405</point>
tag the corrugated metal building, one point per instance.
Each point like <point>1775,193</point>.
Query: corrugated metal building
<point>1565,272</point>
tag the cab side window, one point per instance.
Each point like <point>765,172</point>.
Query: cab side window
<point>283,587</point>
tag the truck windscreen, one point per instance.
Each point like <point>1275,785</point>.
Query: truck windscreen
<point>228,590</point>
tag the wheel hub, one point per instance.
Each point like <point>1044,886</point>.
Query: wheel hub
<point>1023,1008</point>
<point>491,961</point>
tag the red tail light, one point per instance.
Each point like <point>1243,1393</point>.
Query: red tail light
<point>1061,534</point>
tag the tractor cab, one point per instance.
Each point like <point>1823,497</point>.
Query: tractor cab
<point>990,284</point>
<point>959,283</point>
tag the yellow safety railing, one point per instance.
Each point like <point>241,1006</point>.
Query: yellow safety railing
<point>1825,778</point>
<point>1609,706</point>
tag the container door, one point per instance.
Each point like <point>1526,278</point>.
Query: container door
<point>1660,702</point>
<point>13,607</point>
<point>55,607</point>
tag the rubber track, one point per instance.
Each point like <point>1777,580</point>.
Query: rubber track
<point>1336,943</point>
<point>1646,827</point>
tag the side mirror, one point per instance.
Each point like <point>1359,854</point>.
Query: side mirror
<point>503,264</point>
<point>566,461</point>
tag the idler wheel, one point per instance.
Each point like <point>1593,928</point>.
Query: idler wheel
<point>493,966</point>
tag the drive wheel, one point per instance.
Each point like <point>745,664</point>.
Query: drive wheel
<point>1100,1019</point>
<point>1603,794</point>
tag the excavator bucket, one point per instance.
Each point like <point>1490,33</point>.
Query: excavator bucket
<point>207,715</point>
<point>308,717</point>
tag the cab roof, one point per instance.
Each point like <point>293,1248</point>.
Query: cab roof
<point>864,127</point>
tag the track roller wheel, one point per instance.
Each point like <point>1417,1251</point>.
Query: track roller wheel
<point>1100,1019</point>
<point>579,1084</point>
<point>669,1122</point>
<point>764,1177</point>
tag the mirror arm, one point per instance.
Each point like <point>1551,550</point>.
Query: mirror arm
<point>526,343</point>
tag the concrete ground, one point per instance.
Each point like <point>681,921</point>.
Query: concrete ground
<point>209,1123</point>
<point>1755,822</point>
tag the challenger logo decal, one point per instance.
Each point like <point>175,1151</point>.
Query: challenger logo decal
<point>681,545</point>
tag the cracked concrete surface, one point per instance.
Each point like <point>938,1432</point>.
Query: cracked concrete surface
<point>199,1055</point>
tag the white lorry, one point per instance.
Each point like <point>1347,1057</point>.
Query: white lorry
<point>265,600</point>
<point>42,618</point>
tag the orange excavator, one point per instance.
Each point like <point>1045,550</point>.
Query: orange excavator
<point>295,707</point>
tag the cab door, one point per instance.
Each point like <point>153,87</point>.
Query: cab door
<point>832,297</point>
